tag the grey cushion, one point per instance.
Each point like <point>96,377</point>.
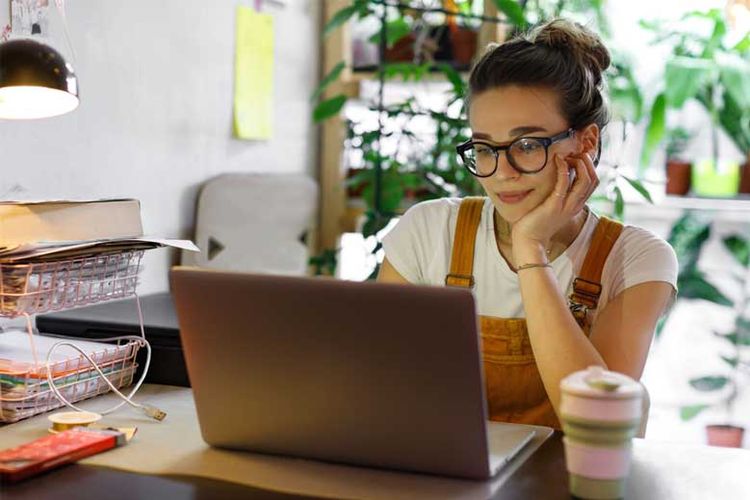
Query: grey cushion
<point>254,223</point>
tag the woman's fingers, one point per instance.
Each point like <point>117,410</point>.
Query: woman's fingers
<point>562,185</point>
<point>581,189</point>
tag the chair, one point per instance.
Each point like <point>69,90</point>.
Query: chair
<point>254,223</point>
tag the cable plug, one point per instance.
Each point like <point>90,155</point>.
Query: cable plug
<point>154,412</point>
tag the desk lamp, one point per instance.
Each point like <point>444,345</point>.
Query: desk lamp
<point>35,81</point>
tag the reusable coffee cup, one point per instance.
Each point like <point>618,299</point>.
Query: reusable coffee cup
<point>600,412</point>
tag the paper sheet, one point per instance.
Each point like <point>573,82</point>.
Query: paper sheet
<point>253,79</point>
<point>37,252</point>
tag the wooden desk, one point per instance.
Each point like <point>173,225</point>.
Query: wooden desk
<point>660,471</point>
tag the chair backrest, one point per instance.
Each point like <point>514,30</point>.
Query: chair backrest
<point>254,223</point>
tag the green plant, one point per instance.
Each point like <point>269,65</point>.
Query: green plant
<point>325,263</point>
<point>737,340</point>
<point>677,140</point>
<point>395,160</point>
<point>704,67</point>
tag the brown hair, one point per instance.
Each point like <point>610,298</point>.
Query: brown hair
<point>559,54</point>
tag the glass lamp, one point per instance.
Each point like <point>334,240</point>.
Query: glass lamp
<point>35,81</point>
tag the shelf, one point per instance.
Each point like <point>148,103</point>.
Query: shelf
<point>740,203</point>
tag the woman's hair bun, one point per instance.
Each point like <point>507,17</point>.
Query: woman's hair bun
<point>583,44</point>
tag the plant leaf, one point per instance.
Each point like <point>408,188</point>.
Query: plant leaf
<point>391,192</point>
<point>689,412</point>
<point>687,237</point>
<point>638,186</point>
<point>731,361</point>
<point>656,128</point>
<point>735,75</point>
<point>743,45</point>
<point>331,77</point>
<point>619,207</point>
<point>329,108</point>
<point>695,286</point>
<point>735,121</point>
<point>374,223</point>
<point>684,77</point>
<point>459,86</point>
<point>395,30</point>
<point>340,18</point>
<point>739,247</point>
<point>708,384</point>
<point>660,325</point>
<point>513,11</point>
<point>735,338</point>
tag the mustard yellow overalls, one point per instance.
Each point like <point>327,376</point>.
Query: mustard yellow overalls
<point>515,392</point>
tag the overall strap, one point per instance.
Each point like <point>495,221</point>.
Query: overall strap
<point>587,286</point>
<point>462,259</point>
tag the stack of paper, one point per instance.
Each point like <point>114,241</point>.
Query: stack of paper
<point>24,390</point>
<point>46,251</point>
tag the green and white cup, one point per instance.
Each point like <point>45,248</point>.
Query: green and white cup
<point>601,413</point>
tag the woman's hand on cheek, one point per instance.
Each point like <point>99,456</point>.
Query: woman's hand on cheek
<point>533,232</point>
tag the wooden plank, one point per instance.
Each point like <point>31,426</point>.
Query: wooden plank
<point>489,32</point>
<point>330,172</point>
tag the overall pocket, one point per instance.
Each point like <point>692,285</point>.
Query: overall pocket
<point>512,380</point>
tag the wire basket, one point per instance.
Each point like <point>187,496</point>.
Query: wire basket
<point>42,287</point>
<point>53,285</point>
<point>25,391</point>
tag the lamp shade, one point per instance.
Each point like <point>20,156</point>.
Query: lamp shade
<point>35,81</point>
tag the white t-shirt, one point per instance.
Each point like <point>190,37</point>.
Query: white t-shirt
<point>420,246</point>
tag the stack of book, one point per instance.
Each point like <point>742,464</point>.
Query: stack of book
<point>56,230</point>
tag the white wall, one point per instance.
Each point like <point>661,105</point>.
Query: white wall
<point>156,79</point>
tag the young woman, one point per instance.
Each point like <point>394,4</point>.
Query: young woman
<point>558,288</point>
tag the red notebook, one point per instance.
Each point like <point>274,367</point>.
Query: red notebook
<point>55,450</point>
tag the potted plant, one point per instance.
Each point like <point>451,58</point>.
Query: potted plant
<point>678,169</point>
<point>463,30</point>
<point>705,68</point>
<point>738,340</point>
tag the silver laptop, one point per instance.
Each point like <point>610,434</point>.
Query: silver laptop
<point>370,374</point>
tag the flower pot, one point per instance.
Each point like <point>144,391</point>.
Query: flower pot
<point>402,50</point>
<point>722,181</point>
<point>725,435</point>
<point>355,191</point>
<point>464,42</point>
<point>745,178</point>
<point>678,177</point>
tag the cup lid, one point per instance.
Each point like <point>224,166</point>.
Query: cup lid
<point>597,382</point>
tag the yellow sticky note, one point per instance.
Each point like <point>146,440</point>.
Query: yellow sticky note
<point>253,75</point>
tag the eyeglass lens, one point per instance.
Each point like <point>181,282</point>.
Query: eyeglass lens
<point>526,155</point>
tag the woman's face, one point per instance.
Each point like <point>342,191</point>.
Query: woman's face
<point>502,114</point>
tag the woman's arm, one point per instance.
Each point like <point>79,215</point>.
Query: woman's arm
<point>619,339</point>
<point>388,274</point>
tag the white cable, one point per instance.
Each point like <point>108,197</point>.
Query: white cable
<point>60,4</point>
<point>151,411</point>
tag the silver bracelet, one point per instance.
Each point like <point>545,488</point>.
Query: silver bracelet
<point>530,266</point>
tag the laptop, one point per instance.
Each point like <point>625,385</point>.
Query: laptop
<point>370,374</point>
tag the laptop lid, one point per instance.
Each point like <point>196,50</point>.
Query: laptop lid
<point>371,374</point>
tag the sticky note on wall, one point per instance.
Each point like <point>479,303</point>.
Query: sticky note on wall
<point>253,75</point>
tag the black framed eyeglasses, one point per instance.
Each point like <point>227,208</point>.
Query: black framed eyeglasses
<point>527,155</point>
